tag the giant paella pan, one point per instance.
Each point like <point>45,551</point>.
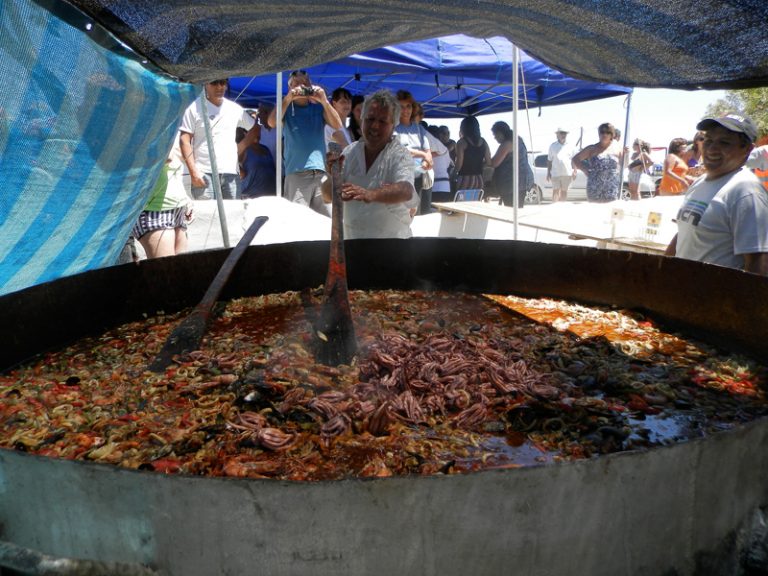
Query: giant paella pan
<point>607,500</point>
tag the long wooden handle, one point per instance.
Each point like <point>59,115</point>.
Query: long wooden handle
<point>189,333</point>
<point>336,343</point>
<point>212,294</point>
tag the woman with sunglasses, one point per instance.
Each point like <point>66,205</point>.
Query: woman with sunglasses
<point>600,162</point>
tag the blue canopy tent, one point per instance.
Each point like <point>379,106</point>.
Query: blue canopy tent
<point>451,76</point>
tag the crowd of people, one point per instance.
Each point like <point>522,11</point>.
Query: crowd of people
<point>244,142</point>
<point>394,166</point>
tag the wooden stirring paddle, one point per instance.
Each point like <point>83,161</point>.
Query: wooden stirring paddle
<point>189,333</point>
<point>334,330</point>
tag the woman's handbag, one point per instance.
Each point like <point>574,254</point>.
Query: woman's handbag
<point>428,179</point>
<point>427,176</point>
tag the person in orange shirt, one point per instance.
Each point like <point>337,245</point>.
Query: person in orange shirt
<point>758,161</point>
<point>675,179</point>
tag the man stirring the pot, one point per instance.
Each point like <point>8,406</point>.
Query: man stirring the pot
<point>724,218</point>
<point>377,176</point>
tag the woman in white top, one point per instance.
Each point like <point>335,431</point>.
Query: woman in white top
<point>341,100</point>
<point>441,189</point>
<point>413,137</point>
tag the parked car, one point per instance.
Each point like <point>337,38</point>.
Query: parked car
<point>542,190</point>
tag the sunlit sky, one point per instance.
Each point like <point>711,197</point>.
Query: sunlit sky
<point>656,115</point>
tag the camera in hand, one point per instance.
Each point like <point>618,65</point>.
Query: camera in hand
<point>307,90</point>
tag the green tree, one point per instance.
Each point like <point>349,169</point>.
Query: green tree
<point>752,102</point>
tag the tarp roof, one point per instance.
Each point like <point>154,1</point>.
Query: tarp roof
<point>653,43</point>
<point>451,76</point>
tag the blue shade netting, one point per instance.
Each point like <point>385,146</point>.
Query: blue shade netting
<point>84,132</point>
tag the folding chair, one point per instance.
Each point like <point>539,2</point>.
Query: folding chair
<point>470,195</point>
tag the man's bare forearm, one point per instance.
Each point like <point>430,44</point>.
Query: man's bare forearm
<point>187,152</point>
<point>253,135</point>
<point>394,193</point>
<point>331,117</point>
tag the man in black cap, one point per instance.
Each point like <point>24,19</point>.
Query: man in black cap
<point>724,217</point>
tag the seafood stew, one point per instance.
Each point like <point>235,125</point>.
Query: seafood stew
<point>443,383</point>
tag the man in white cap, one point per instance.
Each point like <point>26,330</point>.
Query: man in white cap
<point>724,217</point>
<point>559,170</point>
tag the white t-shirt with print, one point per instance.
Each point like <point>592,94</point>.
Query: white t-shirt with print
<point>723,219</point>
<point>441,161</point>
<point>224,121</point>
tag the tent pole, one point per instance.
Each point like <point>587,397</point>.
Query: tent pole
<point>624,155</point>
<point>236,98</point>
<point>215,173</point>
<point>527,109</point>
<point>515,147</point>
<point>279,135</point>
